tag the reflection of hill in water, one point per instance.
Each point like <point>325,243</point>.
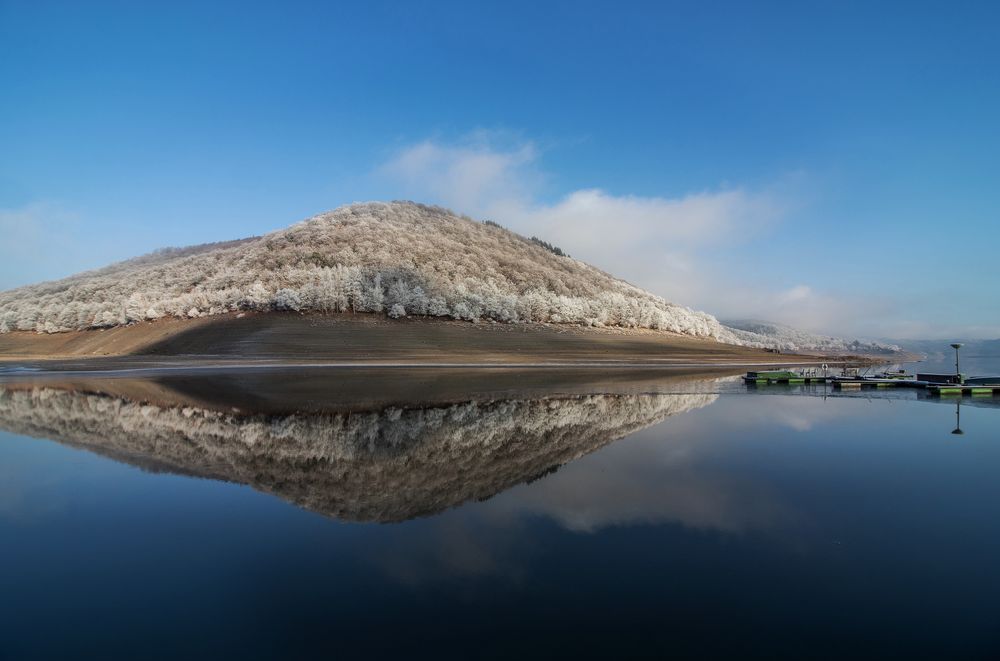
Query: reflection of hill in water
<point>388,465</point>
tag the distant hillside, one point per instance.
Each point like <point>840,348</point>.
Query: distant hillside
<point>767,334</point>
<point>395,258</point>
<point>941,349</point>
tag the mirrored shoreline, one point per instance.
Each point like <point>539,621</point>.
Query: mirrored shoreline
<point>339,453</point>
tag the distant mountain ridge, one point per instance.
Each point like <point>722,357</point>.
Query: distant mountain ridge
<point>752,332</point>
<point>942,348</point>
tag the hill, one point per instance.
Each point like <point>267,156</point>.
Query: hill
<point>751,332</point>
<point>399,258</point>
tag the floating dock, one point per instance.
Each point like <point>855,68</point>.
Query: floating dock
<point>781,376</point>
<point>951,385</point>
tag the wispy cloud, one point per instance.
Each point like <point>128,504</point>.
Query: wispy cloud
<point>473,176</point>
<point>39,239</point>
<point>691,249</point>
<point>670,245</point>
<point>46,240</point>
<point>478,177</point>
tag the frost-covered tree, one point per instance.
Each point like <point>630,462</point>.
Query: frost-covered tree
<point>288,299</point>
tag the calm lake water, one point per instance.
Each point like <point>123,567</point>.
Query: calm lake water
<point>488,515</point>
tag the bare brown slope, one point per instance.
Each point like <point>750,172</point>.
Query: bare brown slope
<point>293,389</point>
<point>370,338</point>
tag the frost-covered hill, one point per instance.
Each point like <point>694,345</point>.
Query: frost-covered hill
<point>767,334</point>
<point>396,258</point>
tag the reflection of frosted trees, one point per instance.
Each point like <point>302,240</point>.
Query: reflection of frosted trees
<point>387,465</point>
<point>399,258</point>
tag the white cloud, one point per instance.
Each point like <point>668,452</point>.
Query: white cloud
<point>795,294</point>
<point>691,249</point>
<point>478,178</point>
<point>470,177</point>
<point>595,220</point>
<point>660,243</point>
<point>801,306</point>
<point>31,223</point>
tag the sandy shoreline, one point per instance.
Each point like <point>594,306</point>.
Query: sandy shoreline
<point>346,340</point>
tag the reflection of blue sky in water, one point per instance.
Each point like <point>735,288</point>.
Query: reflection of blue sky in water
<point>32,477</point>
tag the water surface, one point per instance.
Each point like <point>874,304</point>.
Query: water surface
<point>462,515</point>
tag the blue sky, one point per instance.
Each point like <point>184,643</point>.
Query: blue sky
<point>768,160</point>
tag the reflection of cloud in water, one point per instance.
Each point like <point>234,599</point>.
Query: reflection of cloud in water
<point>387,465</point>
<point>808,412</point>
<point>655,477</point>
<point>455,545</point>
<point>676,472</point>
<point>679,472</point>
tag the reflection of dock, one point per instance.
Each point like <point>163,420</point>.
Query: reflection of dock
<point>872,383</point>
<point>963,390</point>
<point>938,389</point>
<point>933,384</point>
